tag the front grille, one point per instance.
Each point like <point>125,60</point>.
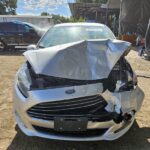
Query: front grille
<point>78,107</point>
<point>87,133</point>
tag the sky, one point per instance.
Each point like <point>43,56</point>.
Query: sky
<point>35,7</point>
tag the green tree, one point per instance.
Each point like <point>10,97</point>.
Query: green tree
<point>73,19</point>
<point>61,19</point>
<point>8,7</point>
<point>45,14</point>
<point>2,9</point>
<point>100,1</point>
<point>92,1</point>
<point>84,1</point>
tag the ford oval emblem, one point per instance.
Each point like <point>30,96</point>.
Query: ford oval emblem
<point>70,91</point>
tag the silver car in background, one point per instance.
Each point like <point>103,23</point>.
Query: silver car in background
<point>77,85</point>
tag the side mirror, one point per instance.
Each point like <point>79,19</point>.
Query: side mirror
<point>31,47</point>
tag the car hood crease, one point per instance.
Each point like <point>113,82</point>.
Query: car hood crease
<point>83,60</point>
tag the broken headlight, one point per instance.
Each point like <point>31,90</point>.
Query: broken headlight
<point>121,78</point>
<point>23,80</point>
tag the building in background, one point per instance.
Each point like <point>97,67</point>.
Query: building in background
<point>134,16</point>
<point>112,15</point>
<point>40,21</point>
<point>96,12</point>
<point>89,11</point>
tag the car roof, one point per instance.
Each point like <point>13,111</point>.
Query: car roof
<point>79,24</point>
<point>17,22</point>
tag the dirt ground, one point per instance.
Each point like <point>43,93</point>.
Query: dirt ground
<point>11,138</point>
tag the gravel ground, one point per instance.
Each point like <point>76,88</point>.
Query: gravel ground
<point>12,138</point>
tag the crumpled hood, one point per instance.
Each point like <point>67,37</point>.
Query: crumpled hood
<point>84,60</point>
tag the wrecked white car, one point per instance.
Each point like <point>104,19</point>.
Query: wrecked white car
<point>77,85</point>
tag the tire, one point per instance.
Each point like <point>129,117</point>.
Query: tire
<point>2,45</point>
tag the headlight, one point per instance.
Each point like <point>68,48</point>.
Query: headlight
<point>24,80</point>
<point>121,78</point>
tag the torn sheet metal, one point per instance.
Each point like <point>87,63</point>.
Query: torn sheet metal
<point>126,101</point>
<point>84,60</point>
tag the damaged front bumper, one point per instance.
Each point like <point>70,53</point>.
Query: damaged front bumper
<point>102,127</point>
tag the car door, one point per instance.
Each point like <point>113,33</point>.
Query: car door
<point>3,32</point>
<point>21,34</point>
<point>10,30</point>
<point>31,35</point>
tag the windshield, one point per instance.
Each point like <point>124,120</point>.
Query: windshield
<point>67,34</point>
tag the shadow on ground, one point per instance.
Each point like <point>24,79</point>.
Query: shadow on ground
<point>136,138</point>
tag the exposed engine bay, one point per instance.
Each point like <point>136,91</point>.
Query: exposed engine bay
<point>121,79</point>
<point>121,72</point>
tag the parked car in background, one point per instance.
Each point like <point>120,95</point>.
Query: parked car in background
<point>77,85</point>
<point>16,33</point>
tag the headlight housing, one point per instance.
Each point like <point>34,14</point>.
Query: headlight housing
<point>24,80</point>
<point>122,78</point>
